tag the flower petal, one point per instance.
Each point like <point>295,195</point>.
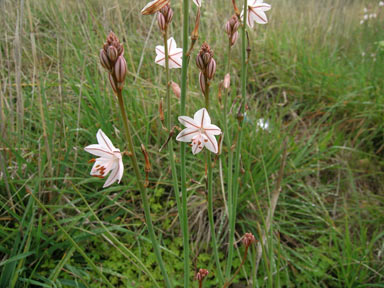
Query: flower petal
<point>197,2</point>
<point>113,177</point>
<point>188,122</point>
<point>202,117</point>
<point>99,150</point>
<point>104,141</point>
<point>102,167</point>
<point>187,134</point>
<point>196,148</point>
<point>257,15</point>
<point>171,45</point>
<point>212,129</point>
<point>210,143</point>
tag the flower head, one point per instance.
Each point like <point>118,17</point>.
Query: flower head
<point>199,131</point>
<point>256,12</point>
<point>197,2</point>
<point>201,274</point>
<point>174,54</point>
<point>154,6</point>
<point>110,159</point>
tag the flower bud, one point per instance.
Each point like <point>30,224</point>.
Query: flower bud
<point>234,38</point>
<point>104,60</point>
<point>112,82</point>
<point>112,53</point>
<point>227,81</point>
<point>200,62</point>
<point>207,58</point>
<point>211,69</point>
<point>228,28</point>
<point>120,69</point>
<point>161,21</point>
<point>176,89</point>
<point>201,274</point>
<point>248,239</point>
<point>202,82</point>
<point>169,15</point>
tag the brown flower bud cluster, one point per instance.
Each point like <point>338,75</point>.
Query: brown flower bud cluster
<point>201,274</point>
<point>248,239</point>
<point>206,65</point>
<point>112,59</point>
<point>232,27</point>
<point>164,17</point>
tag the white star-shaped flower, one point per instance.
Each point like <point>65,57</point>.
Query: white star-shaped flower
<point>174,54</point>
<point>110,159</point>
<point>199,131</point>
<point>197,2</point>
<point>256,12</point>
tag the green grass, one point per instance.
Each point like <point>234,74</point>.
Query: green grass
<point>307,76</point>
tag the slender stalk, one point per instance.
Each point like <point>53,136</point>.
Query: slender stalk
<point>238,269</point>
<point>142,189</point>
<point>210,201</point>
<point>240,133</point>
<point>230,161</point>
<point>183,95</point>
<point>169,126</point>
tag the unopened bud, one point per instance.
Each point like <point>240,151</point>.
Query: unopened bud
<point>104,60</point>
<point>228,28</point>
<point>200,62</point>
<point>248,239</point>
<point>112,53</point>
<point>120,69</point>
<point>207,58</point>
<point>176,89</point>
<point>202,82</point>
<point>169,15</point>
<point>211,69</point>
<point>227,81</point>
<point>161,21</point>
<point>112,82</point>
<point>234,38</point>
<point>201,274</point>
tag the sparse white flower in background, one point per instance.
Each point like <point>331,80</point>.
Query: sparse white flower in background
<point>110,159</point>
<point>363,54</point>
<point>262,124</point>
<point>361,22</point>
<point>174,54</point>
<point>365,10</point>
<point>366,16</point>
<point>197,2</point>
<point>381,4</point>
<point>199,131</point>
<point>256,12</point>
<point>373,15</point>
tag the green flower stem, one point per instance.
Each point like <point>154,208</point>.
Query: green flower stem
<point>227,138</point>
<point>210,201</point>
<point>238,144</point>
<point>78,248</point>
<point>143,191</point>
<point>183,95</point>
<point>169,126</point>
